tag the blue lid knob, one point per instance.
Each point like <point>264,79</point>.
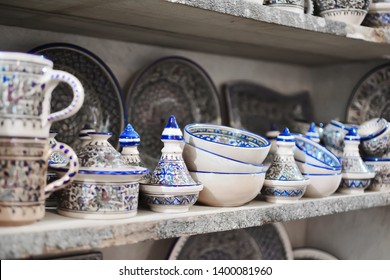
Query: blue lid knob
<point>129,137</point>
<point>172,130</point>
<point>285,136</point>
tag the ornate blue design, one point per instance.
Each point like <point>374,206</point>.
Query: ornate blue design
<point>170,199</point>
<point>282,192</point>
<point>171,173</point>
<point>377,19</point>
<point>355,183</point>
<point>222,135</point>
<point>316,151</point>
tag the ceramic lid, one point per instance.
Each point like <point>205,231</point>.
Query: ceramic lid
<point>98,156</point>
<point>312,133</point>
<point>129,137</point>
<point>172,130</point>
<point>352,135</point>
<point>285,136</point>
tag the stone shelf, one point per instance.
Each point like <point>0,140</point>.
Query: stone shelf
<point>242,28</point>
<point>56,234</point>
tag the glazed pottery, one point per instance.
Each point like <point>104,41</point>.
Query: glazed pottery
<point>381,167</point>
<point>84,137</point>
<point>229,142</point>
<point>198,159</point>
<point>352,11</point>
<point>228,189</point>
<point>56,159</point>
<point>375,137</point>
<point>296,6</point>
<point>356,175</point>
<point>378,15</point>
<point>310,168</point>
<point>171,188</point>
<point>333,136</point>
<point>129,140</point>
<point>322,185</point>
<point>310,152</point>
<point>312,133</point>
<point>27,82</point>
<point>284,182</point>
<point>271,135</point>
<point>105,187</point>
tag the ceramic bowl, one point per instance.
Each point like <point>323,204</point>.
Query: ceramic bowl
<point>308,151</point>
<point>309,168</point>
<point>170,199</point>
<point>381,167</point>
<point>199,159</point>
<point>378,15</point>
<point>375,137</point>
<point>228,189</point>
<point>229,142</point>
<point>322,185</point>
<point>94,200</point>
<point>355,183</point>
<point>296,6</point>
<point>333,136</point>
<point>352,11</point>
<point>277,191</point>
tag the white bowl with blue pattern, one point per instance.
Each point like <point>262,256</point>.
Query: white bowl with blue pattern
<point>278,191</point>
<point>381,167</point>
<point>322,185</point>
<point>199,159</point>
<point>308,151</point>
<point>229,142</point>
<point>228,189</point>
<point>309,168</point>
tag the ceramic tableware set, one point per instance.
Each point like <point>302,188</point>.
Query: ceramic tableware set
<point>364,152</point>
<point>227,161</point>
<point>27,82</point>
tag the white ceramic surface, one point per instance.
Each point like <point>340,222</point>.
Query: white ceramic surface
<point>309,168</point>
<point>255,153</point>
<point>200,159</point>
<point>228,189</point>
<point>350,16</point>
<point>322,185</point>
<point>285,186</point>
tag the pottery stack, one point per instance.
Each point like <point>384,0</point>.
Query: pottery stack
<point>227,161</point>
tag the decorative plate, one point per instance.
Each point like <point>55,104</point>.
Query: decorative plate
<point>371,97</point>
<point>256,108</point>
<point>169,86</point>
<point>103,108</point>
<point>312,254</point>
<point>268,242</point>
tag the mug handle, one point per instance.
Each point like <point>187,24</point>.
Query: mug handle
<point>72,171</point>
<point>53,77</point>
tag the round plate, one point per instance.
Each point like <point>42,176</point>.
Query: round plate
<point>170,86</point>
<point>103,107</point>
<point>268,242</point>
<point>312,254</point>
<point>371,97</point>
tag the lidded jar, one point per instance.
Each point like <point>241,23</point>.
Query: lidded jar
<point>284,181</point>
<point>105,186</point>
<point>171,188</point>
<point>356,176</point>
<point>312,133</point>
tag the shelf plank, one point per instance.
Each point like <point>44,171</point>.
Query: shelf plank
<point>56,234</point>
<point>237,28</point>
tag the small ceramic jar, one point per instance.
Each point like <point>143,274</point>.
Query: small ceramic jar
<point>171,188</point>
<point>356,176</point>
<point>105,187</point>
<point>284,182</point>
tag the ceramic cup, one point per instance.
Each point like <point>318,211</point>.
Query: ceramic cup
<point>26,84</point>
<point>296,6</point>
<point>23,174</point>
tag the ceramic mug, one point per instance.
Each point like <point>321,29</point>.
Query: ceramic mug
<point>26,84</point>
<point>23,174</point>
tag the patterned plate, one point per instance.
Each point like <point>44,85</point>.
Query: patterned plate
<point>256,108</point>
<point>103,107</point>
<point>371,97</point>
<point>268,242</point>
<point>170,86</point>
<point>312,254</point>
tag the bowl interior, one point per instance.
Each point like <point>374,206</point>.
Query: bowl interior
<point>316,151</point>
<point>372,128</point>
<point>227,136</point>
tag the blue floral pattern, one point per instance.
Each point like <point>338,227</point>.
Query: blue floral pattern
<point>320,154</point>
<point>170,199</point>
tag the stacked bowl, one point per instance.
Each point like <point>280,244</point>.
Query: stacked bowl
<point>378,15</point>
<point>375,148</point>
<point>319,165</point>
<point>227,161</point>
